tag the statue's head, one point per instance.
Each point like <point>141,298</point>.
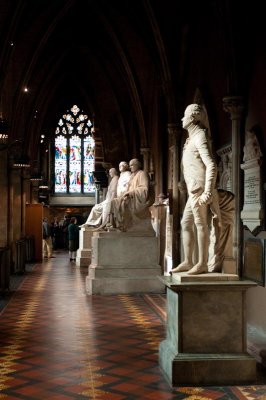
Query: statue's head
<point>134,164</point>
<point>112,172</point>
<point>194,114</point>
<point>123,166</point>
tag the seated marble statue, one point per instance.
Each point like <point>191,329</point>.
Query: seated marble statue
<point>130,212</point>
<point>122,186</point>
<point>100,212</point>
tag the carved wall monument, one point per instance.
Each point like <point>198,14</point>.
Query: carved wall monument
<point>252,213</point>
<point>225,168</point>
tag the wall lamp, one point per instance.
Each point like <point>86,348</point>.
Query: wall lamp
<point>21,161</point>
<point>36,177</point>
<point>4,126</point>
<point>44,184</point>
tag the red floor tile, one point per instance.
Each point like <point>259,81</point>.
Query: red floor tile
<point>56,342</point>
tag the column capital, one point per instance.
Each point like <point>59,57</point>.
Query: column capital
<point>172,149</point>
<point>174,132</point>
<point>234,105</point>
<point>145,150</point>
<point>173,129</point>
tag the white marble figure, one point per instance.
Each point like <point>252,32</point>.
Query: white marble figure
<point>124,177</point>
<point>221,239</point>
<point>100,212</point>
<point>200,172</point>
<point>252,148</point>
<point>130,212</point>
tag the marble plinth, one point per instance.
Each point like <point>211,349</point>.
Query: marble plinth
<point>83,258</point>
<point>206,333</point>
<point>124,262</point>
<point>208,277</point>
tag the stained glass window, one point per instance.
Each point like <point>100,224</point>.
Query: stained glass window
<point>74,153</point>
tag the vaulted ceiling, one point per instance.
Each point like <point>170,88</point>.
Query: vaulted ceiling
<point>105,56</point>
<point>120,60</point>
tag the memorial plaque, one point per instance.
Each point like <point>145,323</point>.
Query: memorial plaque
<point>252,189</point>
<point>254,260</point>
<point>252,214</point>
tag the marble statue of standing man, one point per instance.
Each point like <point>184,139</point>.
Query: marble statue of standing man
<point>200,173</point>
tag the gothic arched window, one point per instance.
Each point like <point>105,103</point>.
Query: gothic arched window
<point>74,159</point>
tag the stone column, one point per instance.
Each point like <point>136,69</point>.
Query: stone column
<point>145,152</point>
<point>234,106</point>
<point>3,199</point>
<point>174,133</point>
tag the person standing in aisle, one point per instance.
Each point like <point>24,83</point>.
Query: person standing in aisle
<point>55,233</point>
<point>73,238</point>
<point>64,230</point>
<point>47,244</point>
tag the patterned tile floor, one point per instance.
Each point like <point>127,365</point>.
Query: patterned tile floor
<point>58,343</point>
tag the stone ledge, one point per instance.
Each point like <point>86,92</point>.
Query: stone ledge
<point>256,344</point>
<point>208,277</point>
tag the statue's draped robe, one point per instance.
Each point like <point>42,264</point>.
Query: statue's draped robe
<point>100,212</point>
<point>132,212</point>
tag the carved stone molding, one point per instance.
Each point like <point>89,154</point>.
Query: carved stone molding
<point>225,167</point>
<point>174,131</point>
<point>234,105</point>
<point>145,152</point>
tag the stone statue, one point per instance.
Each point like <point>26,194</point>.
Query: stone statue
<point>252,148</point>
<point>221,239</point>
<point>200,172</point>
<point>100,212</point>
<point>130,212</point>
<point>124,177</point>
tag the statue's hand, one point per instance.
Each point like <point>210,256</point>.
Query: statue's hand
<point>205,198</point>
<point>126,197</point>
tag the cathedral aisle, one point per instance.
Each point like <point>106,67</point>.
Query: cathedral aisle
<point>58,343</point>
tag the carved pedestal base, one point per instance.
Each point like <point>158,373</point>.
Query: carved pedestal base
<point>84,252</point>
<point>206,334</point>
<point>123,263</point>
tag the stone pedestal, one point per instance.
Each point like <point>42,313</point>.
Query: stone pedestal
<point>168,259</point>
<point>206,333</point>
<point>159,220</point>
<point>84,252</point>
<point>124,262</point>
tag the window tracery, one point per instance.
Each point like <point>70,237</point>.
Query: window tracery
<point>74,160</point>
